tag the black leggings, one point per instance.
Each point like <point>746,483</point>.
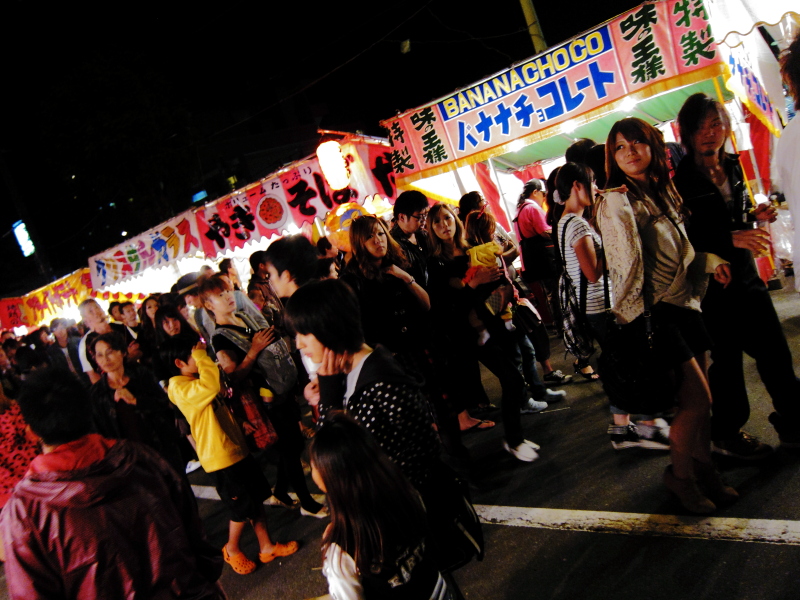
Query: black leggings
<point>284,417</point>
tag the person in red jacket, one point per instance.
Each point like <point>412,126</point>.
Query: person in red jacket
<point>99,518</point>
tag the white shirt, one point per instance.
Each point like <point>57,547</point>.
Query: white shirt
<point>787,167</point>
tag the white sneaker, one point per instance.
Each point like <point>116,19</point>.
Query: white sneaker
<point>322,513</point>
<point>533,445</point>
<point>554,395</point>
<point>523,452</point>
<point>533,406</point>
<point>192,466</point>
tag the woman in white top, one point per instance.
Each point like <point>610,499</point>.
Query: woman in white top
<point>583,256</point>
<point>375,545</point>
<point>654,268</point>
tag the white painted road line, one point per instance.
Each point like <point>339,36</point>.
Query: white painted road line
<point>765,531</point>
<point>708,528</point>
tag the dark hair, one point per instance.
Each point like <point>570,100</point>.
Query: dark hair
<point>568,174</point>
<point>790,70</point>
<point>532,185</point>
<point>437,246</point>
<point>554,209</point>
<point>410,202</point>
<point>171,312</point>
<point>691,115</point>
<point>324,268</point>
<point>596,161</point>
<point>293,253</point>
<point>225,265</point>
<point>578,150</point>
<point>175,348</point>
<point>28,359</point>
<point>55,405</point>
<point>112,306</point>
<point>143,318</point>
<point>361,230</point>
<point>375,513</point>
<point>480,227</point>
<point>469,202</point>
<point>661,188</point>
<point>329,311</point>
<point>323,245</point>
<point>259,257</point>
<point>113,339</point>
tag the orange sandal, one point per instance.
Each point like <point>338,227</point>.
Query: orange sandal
<point>279,550</point>
<point>238,562</point>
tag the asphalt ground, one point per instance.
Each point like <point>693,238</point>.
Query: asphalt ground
<point>585,521</point>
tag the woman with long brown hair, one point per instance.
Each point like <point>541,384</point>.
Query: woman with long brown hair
<point>375,545</point>
<point>657,277</point>
<point>393,303</point>
<point>453,300</point>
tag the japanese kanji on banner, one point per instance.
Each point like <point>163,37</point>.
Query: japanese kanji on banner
<point>171,240</point>
<point>46,303</point>
<point>642,51</point>
<point>11,313</point>
<point>297,194</point>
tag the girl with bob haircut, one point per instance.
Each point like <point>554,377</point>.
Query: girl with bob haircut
<point>375,545</point>
<point>367,383</point>
<point>656,273</point>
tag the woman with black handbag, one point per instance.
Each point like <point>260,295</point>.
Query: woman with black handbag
<point>582,253</point>
<point>658,282</point>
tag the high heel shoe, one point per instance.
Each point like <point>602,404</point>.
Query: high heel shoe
<point>591,376</point>
<point>688,493</point>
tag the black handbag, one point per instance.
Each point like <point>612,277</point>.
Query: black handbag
<point>632,376</point>
<point>578,338</point>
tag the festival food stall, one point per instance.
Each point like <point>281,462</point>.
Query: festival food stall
<point>350,170</point>
<point>644,63</point>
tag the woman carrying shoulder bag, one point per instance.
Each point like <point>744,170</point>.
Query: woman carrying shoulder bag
<point>658,284</point>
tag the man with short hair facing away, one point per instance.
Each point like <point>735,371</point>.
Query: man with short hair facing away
<point>408,230</point>
<point>96,321</point>
<point>291,261</point>
<point>99,518</point>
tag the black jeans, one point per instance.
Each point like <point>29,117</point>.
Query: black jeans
<point>284,417</point>
<point>497,355</point>
<point>744,321</point>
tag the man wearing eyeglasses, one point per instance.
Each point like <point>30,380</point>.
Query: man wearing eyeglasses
<point>408,230</point>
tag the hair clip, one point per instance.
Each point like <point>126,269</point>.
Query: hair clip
<point>557,197</point>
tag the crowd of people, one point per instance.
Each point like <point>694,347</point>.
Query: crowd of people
<point>634,243</point>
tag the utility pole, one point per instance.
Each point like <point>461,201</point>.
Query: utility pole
<point>534,27</point>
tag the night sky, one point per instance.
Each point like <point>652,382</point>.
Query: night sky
<point>140,102</point>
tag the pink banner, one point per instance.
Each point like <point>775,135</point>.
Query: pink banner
<point>169,241</point>
<point>297,195</point>
<point>649,44</point>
